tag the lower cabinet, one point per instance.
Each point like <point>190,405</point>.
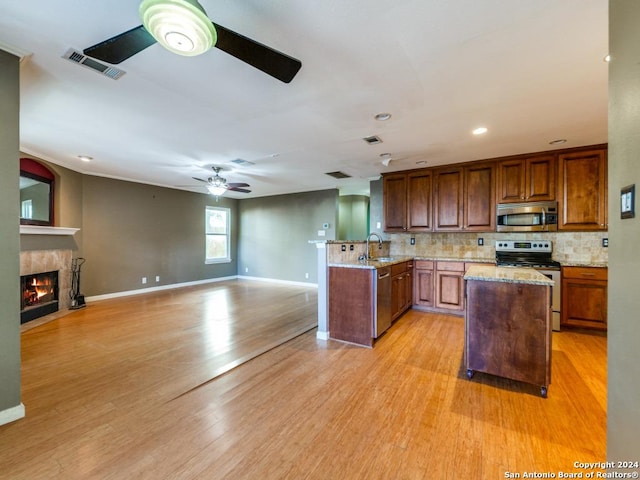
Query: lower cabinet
<point>439,285</point>
<point>423,292</point>
<point>450,285</point>
<point>401,288</point>
<point>584,297</point>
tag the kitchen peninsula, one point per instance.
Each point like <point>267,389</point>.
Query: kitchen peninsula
<point>365,296</point>
<point>508,324</point>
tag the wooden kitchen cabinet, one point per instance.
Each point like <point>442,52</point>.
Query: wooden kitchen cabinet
<point>394,188</point>
<point>448,197</point>
<point>508,331</point>
<point>401,288</point>
<point>464,198</point>
<point>449,292</point>
<point>584,297</point>
<point>407,201</point>
<point>582,178</point>
<point>424,286</point>
<point>479,207</point>
<point>530,179</point>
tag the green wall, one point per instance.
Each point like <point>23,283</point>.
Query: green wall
<point>623,404</point>
<point>275,233</point>
<point>353,217</point>
<point>9,234</point>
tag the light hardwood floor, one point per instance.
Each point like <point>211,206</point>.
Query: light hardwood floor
<point>123,389</point>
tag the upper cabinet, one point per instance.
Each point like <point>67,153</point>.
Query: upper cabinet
<point>479,193</point>
<point>448,195</point>
<point>582,178</point>
<point>407,201</point>
<point>464,198</point>
<point>529,179</point>
<point>394,189</point>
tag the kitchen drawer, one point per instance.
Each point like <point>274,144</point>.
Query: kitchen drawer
<point>586,273</point>
<point>424,264</point>
<point>398,268</point>
<point>451,266</point>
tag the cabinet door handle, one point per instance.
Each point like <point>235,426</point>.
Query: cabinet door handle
<point>384,275</point>
<point>588,274</point>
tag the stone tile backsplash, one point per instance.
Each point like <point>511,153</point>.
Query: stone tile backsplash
<point>568,247</point>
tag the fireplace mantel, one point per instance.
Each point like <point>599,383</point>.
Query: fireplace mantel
<point>40,230</point>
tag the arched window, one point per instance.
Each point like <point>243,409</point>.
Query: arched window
<point>36,193</point>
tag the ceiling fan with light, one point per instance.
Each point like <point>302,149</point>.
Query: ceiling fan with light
<point>183,27</point>
<point>217,185</point>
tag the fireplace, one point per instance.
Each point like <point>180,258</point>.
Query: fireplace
<point>38,295</point>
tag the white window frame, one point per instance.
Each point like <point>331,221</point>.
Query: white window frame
<point>227,234</point>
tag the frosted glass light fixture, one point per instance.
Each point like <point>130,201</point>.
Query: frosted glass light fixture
<point>216,190</point>
<point>180,26</point>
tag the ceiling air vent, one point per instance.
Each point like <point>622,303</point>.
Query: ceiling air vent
<point>77,57</point>
<point>240,161</point>
<point>338,175</point>
<point>372,140</point>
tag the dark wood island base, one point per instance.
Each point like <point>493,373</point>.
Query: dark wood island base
<point>508,324</point>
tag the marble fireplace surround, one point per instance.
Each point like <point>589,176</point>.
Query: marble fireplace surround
<point>46,249</point>
<point>40,261</point>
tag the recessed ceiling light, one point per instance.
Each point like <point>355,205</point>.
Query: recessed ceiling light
<point>381,117</point>
<point>559,141</point>
<point>480,130</point>
<point>85,158</point>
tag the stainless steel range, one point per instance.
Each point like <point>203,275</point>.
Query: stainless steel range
<point>533,254</point>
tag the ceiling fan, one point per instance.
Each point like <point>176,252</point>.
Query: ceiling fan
<point>182,27</point>
<point>217,185</point>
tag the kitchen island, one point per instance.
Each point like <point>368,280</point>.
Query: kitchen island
<point>508,324</point>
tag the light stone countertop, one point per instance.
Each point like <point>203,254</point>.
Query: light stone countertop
<point>507,275</point>
<point>371,264</point>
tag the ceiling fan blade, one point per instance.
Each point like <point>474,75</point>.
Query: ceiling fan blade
<point>235,185</point>
<point>200,180</point>
<point>270,61</point>
<point>117,49</point>
<point>236,189</point>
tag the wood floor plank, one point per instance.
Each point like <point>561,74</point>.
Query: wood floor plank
<point>142,387</point>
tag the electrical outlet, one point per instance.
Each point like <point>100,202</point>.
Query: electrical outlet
<point>343,248</point>
<point>144,280</point>
<point>157,278</point>
<point>351,248</point>
<point>246,270</point>
<point>480,241</point>
<point>306,275</point>
<point>605,242</point>
<point>413,241</point>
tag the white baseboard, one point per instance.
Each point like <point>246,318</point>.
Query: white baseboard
<point>141,291</point>
<point>12,414</point>
<point>158,288</point>
<point>275,280</point>
<point>322,335</point>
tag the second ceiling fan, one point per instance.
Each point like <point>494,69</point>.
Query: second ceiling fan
<point>183,27</point>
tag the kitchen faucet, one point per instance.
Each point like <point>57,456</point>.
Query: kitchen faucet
<point>366,255</point>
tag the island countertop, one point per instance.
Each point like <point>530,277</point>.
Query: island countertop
<point>507,275</point>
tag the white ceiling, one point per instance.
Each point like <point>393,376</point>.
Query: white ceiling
<point>531,71</point>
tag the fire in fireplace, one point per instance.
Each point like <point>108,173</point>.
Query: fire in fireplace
<point>39,295</point>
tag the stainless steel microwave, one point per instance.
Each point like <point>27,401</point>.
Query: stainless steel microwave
<point>527,217</point>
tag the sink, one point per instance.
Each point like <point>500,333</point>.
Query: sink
<point>382,259</point>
